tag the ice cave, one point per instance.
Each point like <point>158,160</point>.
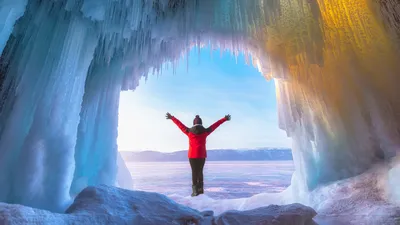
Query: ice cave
<point>64,63</point>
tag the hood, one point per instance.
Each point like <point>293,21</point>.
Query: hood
<point>197,129</point>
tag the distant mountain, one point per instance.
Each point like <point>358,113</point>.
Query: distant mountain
<point>261,154</point>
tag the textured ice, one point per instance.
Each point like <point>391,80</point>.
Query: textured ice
<point>109,205</point>
<point>335,64</point>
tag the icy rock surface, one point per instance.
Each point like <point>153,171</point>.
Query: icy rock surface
<point>110,205</point>
<point>363,199</point>
<point>294,214</point>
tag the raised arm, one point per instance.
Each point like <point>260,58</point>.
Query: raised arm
<point>213,127</point>
<point>178,123</point>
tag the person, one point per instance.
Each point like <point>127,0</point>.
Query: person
<point>197,153</point>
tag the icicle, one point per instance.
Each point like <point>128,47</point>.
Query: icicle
<point>10,12</point>
<point>96,148</point>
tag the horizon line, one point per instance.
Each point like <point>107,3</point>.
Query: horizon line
<point>215,149</point>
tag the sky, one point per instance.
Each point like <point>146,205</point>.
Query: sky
<point>205,83</point>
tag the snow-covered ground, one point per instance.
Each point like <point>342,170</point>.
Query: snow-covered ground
<point>110,205</point>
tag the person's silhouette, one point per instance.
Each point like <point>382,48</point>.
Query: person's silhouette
<point>197,147</point>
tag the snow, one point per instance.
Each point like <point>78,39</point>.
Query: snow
<point>335,66</point>
<point>110,205</point>
<point>204,202</point>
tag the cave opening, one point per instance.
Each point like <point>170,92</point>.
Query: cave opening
<point>209,83</point>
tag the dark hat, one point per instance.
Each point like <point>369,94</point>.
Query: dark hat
<point>197,120</point>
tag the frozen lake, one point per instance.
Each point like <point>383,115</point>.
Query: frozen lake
<point>222,179</point>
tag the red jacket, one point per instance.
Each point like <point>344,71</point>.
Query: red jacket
<point>197,137</point>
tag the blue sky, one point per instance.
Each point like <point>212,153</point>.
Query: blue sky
<point>208,84</point>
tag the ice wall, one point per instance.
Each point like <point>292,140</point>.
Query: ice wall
<point>48,60</point>
<point>335,63</point>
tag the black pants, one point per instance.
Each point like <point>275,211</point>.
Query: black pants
<point>197,170</point>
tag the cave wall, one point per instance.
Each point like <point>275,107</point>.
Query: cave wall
<point>335,63</point>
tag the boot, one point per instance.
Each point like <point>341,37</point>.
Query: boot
<point>200,188</point>
<point>194,190</point>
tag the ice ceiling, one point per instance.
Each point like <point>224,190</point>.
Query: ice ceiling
<point>64,63</point>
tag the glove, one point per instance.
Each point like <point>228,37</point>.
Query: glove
<point>228,117</point>
<point>168,116</point>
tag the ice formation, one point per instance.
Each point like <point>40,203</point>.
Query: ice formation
<point>335,64</point>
